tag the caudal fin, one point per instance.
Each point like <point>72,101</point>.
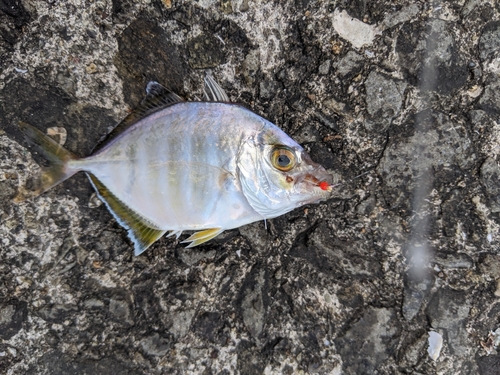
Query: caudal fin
<point>52,151</point>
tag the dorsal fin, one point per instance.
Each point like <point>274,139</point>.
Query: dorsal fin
<point>212,92</point>
<point>157,98</point>
<point>142,233</point>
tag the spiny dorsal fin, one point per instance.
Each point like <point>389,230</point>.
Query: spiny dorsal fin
<point>142,233</point>
<point>202,236</point>
<point>157,98</point>
<point>212,92</point>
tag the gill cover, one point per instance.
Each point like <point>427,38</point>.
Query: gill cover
<point>263,189</point>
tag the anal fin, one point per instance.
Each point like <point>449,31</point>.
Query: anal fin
<point>202,236</point>
<point>142,233</point>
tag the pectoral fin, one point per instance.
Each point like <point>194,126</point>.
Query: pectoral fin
<point>202,236</point>
<point>142,233</point>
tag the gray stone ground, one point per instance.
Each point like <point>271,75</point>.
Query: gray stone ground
<point>408,90</point>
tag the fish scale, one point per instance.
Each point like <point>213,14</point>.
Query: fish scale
<point>198,188</point>
<point>181,166</point>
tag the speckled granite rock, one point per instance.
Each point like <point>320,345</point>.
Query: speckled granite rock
<point>352,285</point>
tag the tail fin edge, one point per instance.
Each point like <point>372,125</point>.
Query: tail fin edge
<point>57,155</point>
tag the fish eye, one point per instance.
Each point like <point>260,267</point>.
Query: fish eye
<point>283,158</point>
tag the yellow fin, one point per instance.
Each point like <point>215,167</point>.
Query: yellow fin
<point>202,236</point>
<point>142,233</point>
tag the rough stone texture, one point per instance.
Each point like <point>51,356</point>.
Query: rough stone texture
<point>352,285</point>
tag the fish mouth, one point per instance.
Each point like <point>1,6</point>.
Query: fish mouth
<point>318,178</point>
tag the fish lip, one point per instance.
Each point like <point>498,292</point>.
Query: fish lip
<point>316,176</point>
<point>309,183</point>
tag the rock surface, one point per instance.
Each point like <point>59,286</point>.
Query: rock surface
<point>352,285</point>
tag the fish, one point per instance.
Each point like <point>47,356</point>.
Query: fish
<point>203,166</point>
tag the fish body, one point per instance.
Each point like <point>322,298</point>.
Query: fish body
<point>179,166</point>
<point>192,166</point>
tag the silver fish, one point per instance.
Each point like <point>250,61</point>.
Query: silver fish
<point>176,166</point>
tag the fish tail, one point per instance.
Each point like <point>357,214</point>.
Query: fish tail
<point>57,155</point>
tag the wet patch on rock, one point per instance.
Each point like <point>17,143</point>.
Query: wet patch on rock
<point>13,16</point>
<point>205,52</point>
<point>59,363</point>
<point>448,311</point>
<point>369,342</point>
<point>435,64</point>
<point>145,54</point>
<point>12,316</point>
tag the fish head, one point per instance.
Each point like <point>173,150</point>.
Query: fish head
<point>277,175</point>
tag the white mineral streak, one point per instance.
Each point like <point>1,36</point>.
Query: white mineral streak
<point>207,3</point>
<point>484,212</point>
<point>405,14</point>
<point>257,21</point>
<point>353,30</point>
<point>493,143</point>
<point>435,345</point>
<point>496,337</point>
<point>35,336</point>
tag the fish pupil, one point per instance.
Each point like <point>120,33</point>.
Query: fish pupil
<point>283,161</point>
